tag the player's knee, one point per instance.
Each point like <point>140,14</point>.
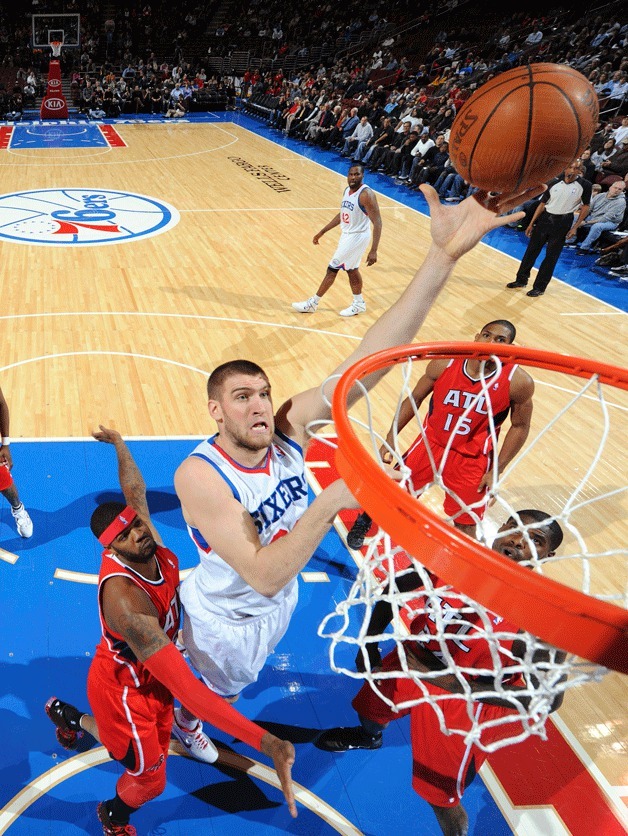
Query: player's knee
<point>332,272</point>
<point>6,480</point>
<point>136,790</point>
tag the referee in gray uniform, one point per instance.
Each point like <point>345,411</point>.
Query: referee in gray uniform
<point>551,224</point>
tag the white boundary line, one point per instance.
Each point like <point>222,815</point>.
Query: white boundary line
<point>206,317</point>
<point>54,776</point>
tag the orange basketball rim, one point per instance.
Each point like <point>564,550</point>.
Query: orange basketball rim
<point>563,617</point>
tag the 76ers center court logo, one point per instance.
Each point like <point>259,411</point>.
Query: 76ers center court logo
<point>82,217</point>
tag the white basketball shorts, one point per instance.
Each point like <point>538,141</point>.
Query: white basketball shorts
<point>351,248</point>
<point>230,653</point>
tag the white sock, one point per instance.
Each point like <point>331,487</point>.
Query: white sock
<point>358,298</point>
<point>315,298</point>
<point>183,722</point>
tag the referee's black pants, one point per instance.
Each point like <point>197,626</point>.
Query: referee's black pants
<point>550,232</point>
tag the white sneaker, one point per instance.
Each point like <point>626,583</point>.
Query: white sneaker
<point>22,521</point>
<point>354,309</point>
<point>197,744</point>
<point>309,306</point>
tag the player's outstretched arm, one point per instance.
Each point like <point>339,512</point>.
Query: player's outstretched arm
<point>128,611</point>
<point>455,230</point>
<point>131,480</point>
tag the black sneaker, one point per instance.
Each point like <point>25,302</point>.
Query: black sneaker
<point>343,739</point>
<point>110,828</point>
<point>68,730</point>
<point>516,284</point>
<point>359,530</point>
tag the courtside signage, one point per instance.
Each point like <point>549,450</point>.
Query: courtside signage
<point>82,217</point>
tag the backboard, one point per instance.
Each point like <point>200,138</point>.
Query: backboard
<point>65,28</point>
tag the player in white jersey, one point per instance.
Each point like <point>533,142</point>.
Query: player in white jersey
<point>358,210</point>
<point>216,598</point>
<point>239,599</point>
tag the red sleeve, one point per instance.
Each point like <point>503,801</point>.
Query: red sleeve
<point>169,667</point>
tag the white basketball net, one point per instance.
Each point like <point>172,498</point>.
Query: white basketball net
<point>457,622</point>
<point>55,46</point>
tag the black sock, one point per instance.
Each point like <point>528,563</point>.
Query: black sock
<point>370,727</point>
<point>119,812</point>
<point>72,717</point>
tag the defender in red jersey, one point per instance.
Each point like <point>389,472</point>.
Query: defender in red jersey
<point>444,765</point>
<point>137,670</point>
<point>8,488</point>
<point>458,414</point>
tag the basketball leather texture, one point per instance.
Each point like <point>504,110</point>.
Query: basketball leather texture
<point>523,127</point>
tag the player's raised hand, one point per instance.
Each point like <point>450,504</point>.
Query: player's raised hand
<point>283,756</point>
<point>107,435</point>
<point>457,229</point>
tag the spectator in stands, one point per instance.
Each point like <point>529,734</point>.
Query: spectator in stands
<point>619,91</point>
<point>324,119</point>
<point>614,168</point>
<point>604,155</point>
<point>423,145</point>
<point>603,132</point>
<point>395,158</point>
<point>325,133</point>
<point>381,135</point>
<point>362,133</point>
<point>535,37</point>
<point>344,128</point>
<point>620,134</point>
<point>378,155</point>
<point>587,165</point>
<point>606,213</point>
<point>15,107</point>
<point>418,166</point>
<point>436,165</point>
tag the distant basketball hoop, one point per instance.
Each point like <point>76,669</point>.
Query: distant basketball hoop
<point>55,46</point>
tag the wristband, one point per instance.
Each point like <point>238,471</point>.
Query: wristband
<point>169,667</point>
<point>5,440</point>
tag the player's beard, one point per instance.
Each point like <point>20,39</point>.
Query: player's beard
<point>146,552</point>
<point>247,439</point>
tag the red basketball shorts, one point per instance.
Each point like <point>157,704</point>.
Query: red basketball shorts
<point>6,480</point>
<point>440,762</point>
<point>134,724</point>
<point>461,475</point>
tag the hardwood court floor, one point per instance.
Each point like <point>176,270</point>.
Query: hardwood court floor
<point>124,333</point>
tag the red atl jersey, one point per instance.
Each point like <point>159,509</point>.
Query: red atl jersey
<point>453,393</point>
<point>113,655</point>
<point>464,629</point>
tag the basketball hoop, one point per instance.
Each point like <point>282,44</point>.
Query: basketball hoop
<point>589,621</point>
<point>55,46</point>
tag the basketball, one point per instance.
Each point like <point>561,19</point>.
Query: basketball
<point>523,127</point>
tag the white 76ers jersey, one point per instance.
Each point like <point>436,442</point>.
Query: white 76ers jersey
<point>275,495</point>
<point>353,218</point>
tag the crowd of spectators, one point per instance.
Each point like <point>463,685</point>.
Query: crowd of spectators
<point>400,126</point>
<point>388,107</point>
